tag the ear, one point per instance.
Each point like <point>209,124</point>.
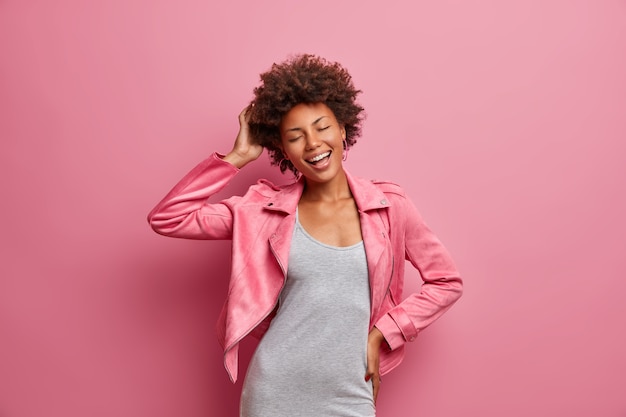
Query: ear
<point>343,132</point>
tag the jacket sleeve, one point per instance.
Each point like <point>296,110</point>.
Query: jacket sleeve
<point>442,284</point>
<point>185,212</point>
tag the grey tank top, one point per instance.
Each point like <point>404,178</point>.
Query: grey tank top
<point>313,358</point>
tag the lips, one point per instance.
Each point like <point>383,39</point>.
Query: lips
<point>316,159</point>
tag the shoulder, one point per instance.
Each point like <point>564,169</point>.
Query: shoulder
<point>390,188</point>
<point>400,203</point>
<point>265,189</point>
<point>376,193</point>
<point>266,186</point>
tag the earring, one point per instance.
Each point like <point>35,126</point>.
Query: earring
<point>345,150</point>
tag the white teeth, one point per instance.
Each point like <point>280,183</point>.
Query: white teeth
<point>320,157</point>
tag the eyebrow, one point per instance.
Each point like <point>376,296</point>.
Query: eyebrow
<point>312,124</point>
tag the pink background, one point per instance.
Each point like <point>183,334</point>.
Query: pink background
<point>504,121</point>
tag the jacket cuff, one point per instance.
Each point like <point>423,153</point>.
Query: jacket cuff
<point>397,328</point>
<point>220,157</point>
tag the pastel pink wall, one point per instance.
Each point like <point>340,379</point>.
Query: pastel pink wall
<point>504,121</point>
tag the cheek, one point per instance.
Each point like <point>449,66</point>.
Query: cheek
<point>335,139</point>
<point>289,150</point>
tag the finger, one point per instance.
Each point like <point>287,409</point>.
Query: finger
<point>244,116</point>
<point>376,379</point>
<point>247,112</point>
<point>376,386</point>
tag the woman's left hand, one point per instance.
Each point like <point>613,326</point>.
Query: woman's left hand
<point>374,339</point>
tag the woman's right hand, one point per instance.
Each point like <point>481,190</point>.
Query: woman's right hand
<point>245,149</point>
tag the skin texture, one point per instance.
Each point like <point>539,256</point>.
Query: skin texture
<point>326,209</point>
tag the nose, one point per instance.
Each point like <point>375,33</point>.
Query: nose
<point>312,141</point>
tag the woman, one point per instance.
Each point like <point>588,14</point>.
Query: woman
<point>317,265</point>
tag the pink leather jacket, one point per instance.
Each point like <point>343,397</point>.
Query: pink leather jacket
<point>261,223</point>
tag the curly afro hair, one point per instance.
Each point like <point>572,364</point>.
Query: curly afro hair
<point>302,79</point>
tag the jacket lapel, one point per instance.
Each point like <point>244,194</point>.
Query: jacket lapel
<point>370,200</point>
<point>285,202</point>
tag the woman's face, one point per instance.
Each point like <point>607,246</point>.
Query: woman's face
<point>312,139</point>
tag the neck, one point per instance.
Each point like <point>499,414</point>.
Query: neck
<point>334,190</point>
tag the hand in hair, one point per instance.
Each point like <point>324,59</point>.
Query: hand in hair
<point>245,149</point>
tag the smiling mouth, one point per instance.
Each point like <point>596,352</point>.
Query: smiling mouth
<point>319,158</point>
